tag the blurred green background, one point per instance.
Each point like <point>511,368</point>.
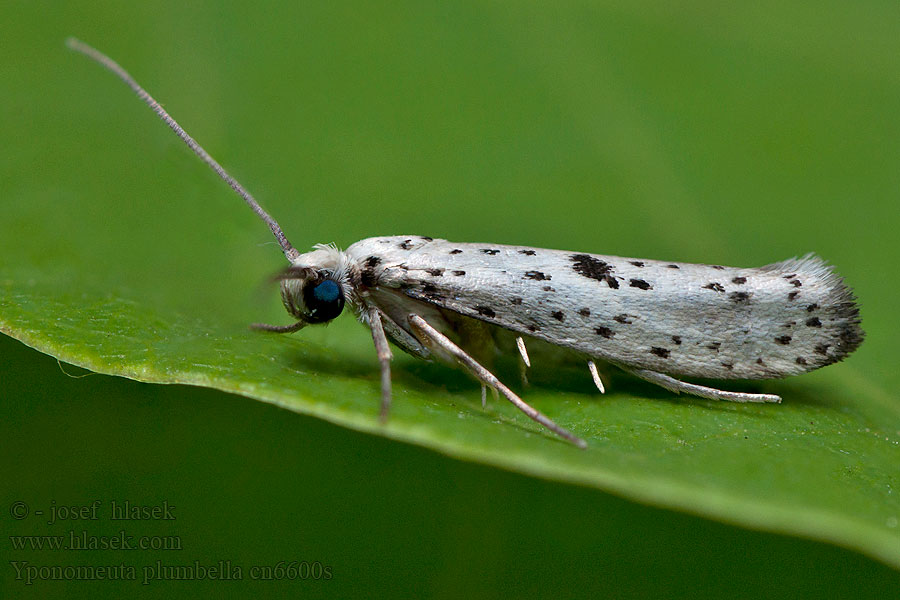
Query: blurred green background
<point>695,131</point>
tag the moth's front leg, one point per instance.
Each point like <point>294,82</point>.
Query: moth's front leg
<point>431,337</point>
<point>384,357</point>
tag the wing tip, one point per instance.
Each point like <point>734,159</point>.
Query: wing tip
<point>840,300</point>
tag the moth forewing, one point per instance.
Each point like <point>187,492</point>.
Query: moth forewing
<point>652,316</point>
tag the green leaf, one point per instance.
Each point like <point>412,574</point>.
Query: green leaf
<point>122,254</point>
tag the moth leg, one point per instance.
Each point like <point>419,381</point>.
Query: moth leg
<point>523,366</point>
<point>429,335</point>
<point>484,395</point>
<point>279,328</point>
<point>523,351</point>
<point>384,357</point>
<point>677,386</point>
<point>592,367</point>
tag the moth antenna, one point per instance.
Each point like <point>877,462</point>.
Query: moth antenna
<point>289,251</point>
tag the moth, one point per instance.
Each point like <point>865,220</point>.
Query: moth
<point>655,319</point>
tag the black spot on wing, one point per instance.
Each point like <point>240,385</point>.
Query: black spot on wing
<point>796,283</point>
<point>429,293</point>
<point>728,365</point>
<point>640,284</point>
<point>784,340</point>
<point>801,360</point>
<point>850,337</point>
<point>584,312</point>
<point>660,352</point>
<point>822,349</point>
<point>739,280</point>
<point>486,311</point>
<point>405,245</point>
<point>594,268</point>
<point>516,300</point>
<point>636,263</point>
<point>459,273</point>
<point>367,276</point>
<point>427,239</point>
<point>739,297</point>
<point>533,328</point>
<point>812,307</point>
<point>435,272</point>
<point>814,322</point>
<point>673,266</point>
<point>537,276</point>
<point>624,319</point>
<point>714,346</point>
<point>718,267</point>
<point>490,251</point>
<point>456,251</point>
<point>676,339</point>
<point>548,288</point>
<point>527,252</point>
<point>714,286</point>
<point>558,315</point>
<point>605,332</point>
<point>793,295</point>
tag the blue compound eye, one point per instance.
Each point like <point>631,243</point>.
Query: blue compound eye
<point>324,300</point>
<point>326,292</point>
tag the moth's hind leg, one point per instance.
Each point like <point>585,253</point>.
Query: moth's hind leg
<point>430,336</point>
<point>677,386</point>
<point>484,395</point>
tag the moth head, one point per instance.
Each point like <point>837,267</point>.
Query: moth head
<point>312,295</point>
<point>314,288</point>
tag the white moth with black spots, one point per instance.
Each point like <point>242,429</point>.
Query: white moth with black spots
<point>655,319</point>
